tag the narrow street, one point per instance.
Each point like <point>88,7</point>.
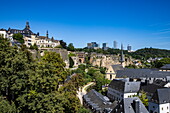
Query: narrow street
<point>82,92</point>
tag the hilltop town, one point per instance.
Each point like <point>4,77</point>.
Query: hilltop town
<point>43,74</point>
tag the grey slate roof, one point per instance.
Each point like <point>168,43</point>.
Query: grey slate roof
<point>161,96</point>
<point>98,101</point>
<point>150,89</point>
<point>124,86</point>
<point>127,106</point>
<point>141,73</point>
<point>117,67</point>
<point>167,66</point>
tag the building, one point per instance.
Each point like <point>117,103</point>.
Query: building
<point>29,37</point>
<point>165,67</point>
<point>98,103</point>
<point>112,70</point>
<point>115,45</point>
<point>130,105</point>
<point>122,88</point>
<point>160,102</point>
<point>129,48</point>
<point>92,45</point>
<point>122,59</point>
<point>3,33</point>
<point>45,42</point>
<point>142,75</point>
<point>81,57</point>
<point>105,46</point>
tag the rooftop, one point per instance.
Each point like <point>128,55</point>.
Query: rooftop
<point>161,96</point>
<point>125,86</point>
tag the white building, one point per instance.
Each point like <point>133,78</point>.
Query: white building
<point>29,37</point>
<point>3,33</point>
<point>122,88</point>
<point>43,41</point>
<point>160,102</point>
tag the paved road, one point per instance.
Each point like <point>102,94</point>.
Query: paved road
<point>82,92</point>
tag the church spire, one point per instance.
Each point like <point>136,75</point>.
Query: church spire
<point>27,25</point>
<point>122,56</point>
<point>47,34</point>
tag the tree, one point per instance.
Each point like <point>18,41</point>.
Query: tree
<point>63,44</point>
<point>143,98</point>
<point>83,110</point>
<point>34,46</point>
<point>162,62</point>
<point>6,106</point>
<point>70,47</point>
<point>15,67</point>
<point>71,62</point>
<point>18,37</point>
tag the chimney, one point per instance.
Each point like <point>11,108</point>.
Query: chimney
<point>136,106</point>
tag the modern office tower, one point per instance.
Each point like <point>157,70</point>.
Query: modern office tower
<point>92,45</point>
<point>105,46</point>
<point>129,48</point>
<point>115,45</point>
<point>89,45</point>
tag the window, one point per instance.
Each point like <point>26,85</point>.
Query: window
<point>110,77</point>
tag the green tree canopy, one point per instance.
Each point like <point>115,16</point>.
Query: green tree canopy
<point>70,47</point>
<point>63,44</point>
<point>18,37</point>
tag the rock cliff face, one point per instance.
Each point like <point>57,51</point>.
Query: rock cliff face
<point>101,60</point>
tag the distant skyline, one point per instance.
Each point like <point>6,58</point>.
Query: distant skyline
<point>140,23</point>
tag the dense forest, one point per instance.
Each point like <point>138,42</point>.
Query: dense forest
<point>150,52</point>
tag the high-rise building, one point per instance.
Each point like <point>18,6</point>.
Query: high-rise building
<point>92,45</point>
<point>115,45</point>
<point>105,46</point>
<point>129,48</point>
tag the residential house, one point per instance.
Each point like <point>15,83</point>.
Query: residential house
<point>98,103</point>
<point>119,89</point>
<point>130,105</point>
<point>143,74</point>
<point>160,102</point>
<point>165,67</point>
<point>112,70</point>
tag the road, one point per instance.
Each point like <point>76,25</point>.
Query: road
<point>82,92</point>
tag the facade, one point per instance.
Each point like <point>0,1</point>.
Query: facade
<point>29,37</point>
<point>165,67</point>
<point>129,48</point>
<point>81,57</point>
<point>130,105</point>
<point>92,45</point>
<point>160,102</point>
<point>105,46</point>
<point>115,45</point>
<point>44,41</point>
<point>3,33</point>
<point>112,70</point>
<point>122,88</point>
<point>98,103</point>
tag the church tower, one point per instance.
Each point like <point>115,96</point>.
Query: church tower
<point>47,34</point>
<point>27,26</point>
<point>122,56</point>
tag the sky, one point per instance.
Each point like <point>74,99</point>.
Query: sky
<point>139,23</point>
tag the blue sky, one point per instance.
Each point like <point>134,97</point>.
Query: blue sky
<point>140,23</point>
